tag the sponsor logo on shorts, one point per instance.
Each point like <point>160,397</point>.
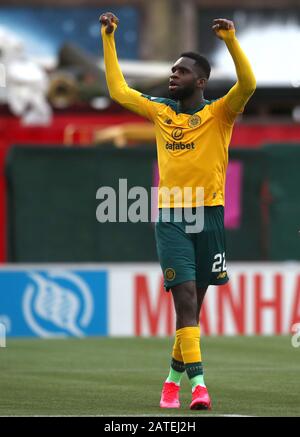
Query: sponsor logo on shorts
<point>170,274</point>
<point>194,121</point>
<point>222,275</point>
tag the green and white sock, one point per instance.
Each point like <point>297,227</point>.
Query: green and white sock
<point>176,371</point>
<point>195,374</point>
<point>197,380</point>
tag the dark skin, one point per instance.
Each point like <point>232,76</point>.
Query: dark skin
<point>188,301</point>
<point>187,81</point>
<point>186,84</point>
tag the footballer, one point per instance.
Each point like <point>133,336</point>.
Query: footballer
<point>192,136</point>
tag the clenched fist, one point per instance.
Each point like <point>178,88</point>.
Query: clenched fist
<point>221,25</point>
<point>108,20</point>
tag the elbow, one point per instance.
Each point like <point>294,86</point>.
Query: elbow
<point>250,86</point>
<point>113,95</point>
<point>116,93</point>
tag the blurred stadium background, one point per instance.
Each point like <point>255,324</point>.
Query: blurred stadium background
<point>65,275</point>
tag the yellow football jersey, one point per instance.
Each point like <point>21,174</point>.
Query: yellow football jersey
<point>192,146</point>
<point>192,149</point>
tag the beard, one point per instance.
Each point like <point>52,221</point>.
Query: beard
<point>182,93</point>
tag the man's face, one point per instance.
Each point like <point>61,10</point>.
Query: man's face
<point>184,80</point>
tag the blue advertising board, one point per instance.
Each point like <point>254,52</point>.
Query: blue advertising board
<point>54,302</point>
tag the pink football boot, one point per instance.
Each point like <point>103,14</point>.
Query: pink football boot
<point>200,399</point>
<point>170,395</point>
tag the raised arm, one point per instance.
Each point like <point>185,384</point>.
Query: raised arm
<point>245,86</point>
<point>117,86</point>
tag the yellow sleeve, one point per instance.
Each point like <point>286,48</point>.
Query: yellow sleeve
<point>233,103</point>
<point>117,86</point>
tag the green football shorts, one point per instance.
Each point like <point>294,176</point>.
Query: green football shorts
<point>185,256</point>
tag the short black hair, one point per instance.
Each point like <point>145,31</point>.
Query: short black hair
<point>200,61</point>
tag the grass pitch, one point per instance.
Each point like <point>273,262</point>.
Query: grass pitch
<point>112,376</point>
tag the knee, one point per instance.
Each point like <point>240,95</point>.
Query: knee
<point>185,300</point>
<point>189,299</point>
